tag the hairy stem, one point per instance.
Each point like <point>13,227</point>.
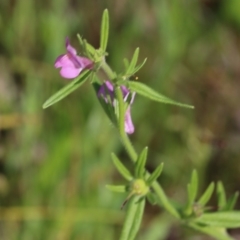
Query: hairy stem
<point>108,70</point>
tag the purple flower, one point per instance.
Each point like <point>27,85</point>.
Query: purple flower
<point>107,89</point>
<point>70,63</point>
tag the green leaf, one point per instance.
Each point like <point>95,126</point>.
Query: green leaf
<point>206,195</point>
<point>232,202</point>
<point>89,49</point>
<point>104,30</point>
<point>153,177</point>
<point>163,200</point>
<point>137,219</point>
<point>121,168</point>
<point>108,108</point>
<point>133,61</point>
<point>136,69</point>
<point>140,164</point>
<point>132,208</point>
<point>116,188</point>
<point>222,201</point>
<point>217,233</point>
<point>151,198</point>
<point>64,92</point>
<point>80,40</point>
<point>147,92</point>
<point>192,189</point>
<point>193,186</point>
<point>230,219</point>
<point>126,63</point>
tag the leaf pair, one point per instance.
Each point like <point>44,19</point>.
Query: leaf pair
<point>131,68</point>
<point>139,173</point>
<point>223,204</point>
<point>192,190</point>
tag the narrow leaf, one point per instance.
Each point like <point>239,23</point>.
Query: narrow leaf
<point>146,91</point>
<point>140,164</point>
<point>126,63</point>
<point>217,233</point>
<point>80,39</point>
<point>151,198</point>
<point>137,219</point>
<point>104,30</point>
<point>153,177</point>
<point>194,186</point>
<point>189,208</point>
<point>133,61</point>
<point>230,219</point>
<point>130,217</point>
<point>206,195</point>
<point>163,200</point>
<point>136,69</point>
<point>232,202</point>
<point>121,168</point>
<point>115,188</point>
<point>89,49</point>
<point>108,108</point>
<point>64,92</point>
<point>221,195</point>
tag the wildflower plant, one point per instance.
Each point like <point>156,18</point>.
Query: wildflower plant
<point>116,94</point>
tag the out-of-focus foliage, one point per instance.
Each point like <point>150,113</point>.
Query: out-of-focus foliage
<point>55,163</point>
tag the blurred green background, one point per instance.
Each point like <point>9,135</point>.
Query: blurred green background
<point>55,163</point>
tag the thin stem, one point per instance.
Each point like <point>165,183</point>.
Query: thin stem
<point>121,120</point>
<point>162,198</point>
<point>129,147</point>
<point>108,70</point>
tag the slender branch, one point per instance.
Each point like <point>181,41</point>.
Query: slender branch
<point>162,198</point>
<point>108,70</point>
<point>121,119</point>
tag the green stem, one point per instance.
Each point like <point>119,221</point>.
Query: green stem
<point>108,70</point>
<point>130,217</point>
<point>121,119</point>
<point>162,198</point>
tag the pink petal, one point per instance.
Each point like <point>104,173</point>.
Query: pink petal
<point>64,61</point>
<point>109,86</point>
<point>84,62</point>
<point>125,91</point>
<point>129,127</point>
<point>70,72</point>
<point>105,90</point>
<point>133,97</point>
<point>70,48</point>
